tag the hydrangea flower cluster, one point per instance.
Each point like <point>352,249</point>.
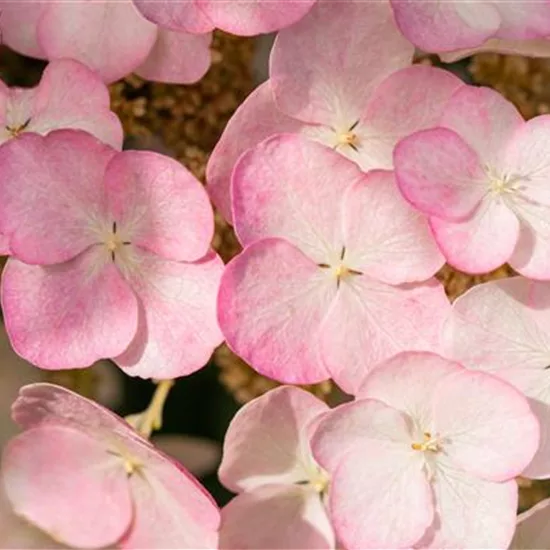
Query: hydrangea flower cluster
<point>351,176</point>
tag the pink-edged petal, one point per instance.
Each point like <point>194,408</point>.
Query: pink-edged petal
<point>408,382</point>
<point>16,532</point>
<point>485,120</point>
<point>471,428</point>
<point>272,187</point>
<point>370,321</point>
<point>407,101</point>
<point>66,483</point>
<point>267,441</point>
<point>533,528</point>
<point>72,96</point>
<point>487,521</point>
<point>324,85</point>
<point>158,205</point>
<point>523,20</point>
<point>271,303</point>
<point>539,467</point>
<point>177,57</point>
<point>525,162</point>
<point>19,23</point>
<point>255,120</point>
<point>177,327</point>
<point>68,315</point>
<point>529,48</point>
<point>439,173</point>
<point>500,325</point>
<point>178,15</point>
<point>385,237</point>
<point>60,176</point>
<point>171,508</point>
<point>366,448</point>
<point>275,517</point>
<point>250,17</point>
<point>110,37</point>
<point>46,404</point>
<point>438,26</point>
<point>484,241</point>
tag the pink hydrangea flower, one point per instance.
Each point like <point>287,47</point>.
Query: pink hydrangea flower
<point>242,17</point>
<point>336,271</point>
<point>427,455</point>
<point>351,96</point>
<point>503,327</point>
<point>533,528</point>
<point>445,25</point>
<point>268,462</point>
<point>111,257</point>
<point>83,475</point>
<point>110,36</point>
<point>69,95</point>
<point>482,176</point>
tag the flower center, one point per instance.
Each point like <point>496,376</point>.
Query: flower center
<point>348,138</point>
<point>340,270</point>
<point>318,480</point>
<point>113,241</point>
<point>502,184</point>
<point>14,131</point>
<point>429,443</point>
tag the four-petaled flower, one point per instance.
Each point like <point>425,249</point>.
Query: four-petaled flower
<point>426,457</point>
<point>110,258</point>
<point>335,274</point>
<point>483,178</point>
<point>268,462</point>
<point>83,475</point>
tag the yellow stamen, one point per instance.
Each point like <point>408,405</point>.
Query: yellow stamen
<point>429,444</point>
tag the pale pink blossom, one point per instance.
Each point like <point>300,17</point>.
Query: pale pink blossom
<point>351,95</point>
<point>503,327</point>
<point>83,475</point>
<point>111,257</point>
<point>110,36</point>
<point>335,274</point>
<point>426,457</point>
<point>446,25</point>
<point>267,461</point>
<point>533,528</point>
<point>242,17</point>
<point>482,175</point>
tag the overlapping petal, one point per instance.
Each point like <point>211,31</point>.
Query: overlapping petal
<point>326,84</point>
<point>271,303</point>
<point>291,187</point>
<point>489,520</point>
<point>268,441</point>
<point>177,57</point>
<point>43,490</point>
<point>247,18</point>
<point>370,321</point>
<point>439,173</point>
<point>386,238</point>
<point>274,517</point>
<point>158,205</point>
<point>68,315</point>
<point>392,490</point>
<point>110,37</point>
<point>256,119</point>
<point>533,528</point>
<point>60,177</point>
<point>177,328</point>
<point>178,15</point>
<point>72,96</point>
